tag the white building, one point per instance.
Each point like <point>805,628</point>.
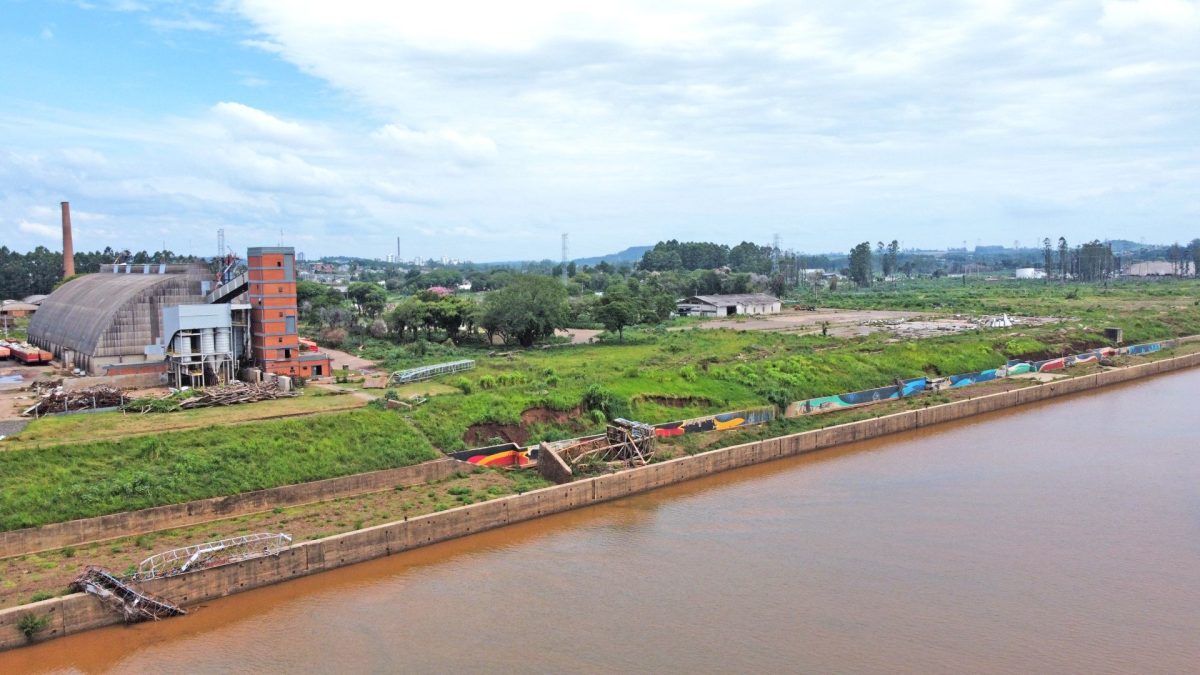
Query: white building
<point>1029,273</point>
<point>729,305</point>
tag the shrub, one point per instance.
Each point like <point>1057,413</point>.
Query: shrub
<point>30,624</point>
<point>333,337</point>
<point>464,385</point>
<point>40,596</point>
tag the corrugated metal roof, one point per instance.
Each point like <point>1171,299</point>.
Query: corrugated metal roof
<point>17,306</point>
<point>735,299</point>
<point>110,314</point>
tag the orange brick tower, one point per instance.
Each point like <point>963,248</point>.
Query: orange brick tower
<point>274,342</point>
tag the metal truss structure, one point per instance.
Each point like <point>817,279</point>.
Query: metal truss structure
<point>430,372</point>
<point>211,554</point>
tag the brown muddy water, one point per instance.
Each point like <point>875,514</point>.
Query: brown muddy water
<point>1063,537</point>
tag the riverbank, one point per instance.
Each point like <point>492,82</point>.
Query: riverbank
<point>77,612</point>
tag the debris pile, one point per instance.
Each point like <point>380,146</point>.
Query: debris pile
<point>230,394</point>
<point>59,400</point>
<point>132,603</point>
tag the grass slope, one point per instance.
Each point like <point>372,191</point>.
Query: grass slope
<point>91,479</point>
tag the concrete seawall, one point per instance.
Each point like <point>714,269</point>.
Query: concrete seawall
<point>128,523</point>
<point>78,612</point>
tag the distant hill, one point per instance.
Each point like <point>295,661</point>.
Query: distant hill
<point>630,255</point>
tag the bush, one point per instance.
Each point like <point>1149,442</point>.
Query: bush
<point>31,624</point>
<point>40,596</point>
<point>464,385</point>
<point>333,337</point>
<point>598,398</point>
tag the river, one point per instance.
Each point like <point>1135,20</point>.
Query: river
<point>1060,537</point>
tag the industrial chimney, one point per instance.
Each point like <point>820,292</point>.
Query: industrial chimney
<point>68,245</point>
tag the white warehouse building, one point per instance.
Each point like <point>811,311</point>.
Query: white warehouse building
<point>729,305</point>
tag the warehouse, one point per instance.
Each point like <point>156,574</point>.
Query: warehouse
<point>112,320</point>
<point>728,305</point>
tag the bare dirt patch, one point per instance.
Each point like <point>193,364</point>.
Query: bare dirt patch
<point>858,322</point>
<point>478,435</point>
<point>548,416</point>
<point>579,336</point>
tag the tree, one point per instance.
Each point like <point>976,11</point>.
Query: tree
<point>881,253</point>
<point>617,309</point>
<point>891,258</point>
<point>1175,255</point>
<point>529,308</point>
<point>449,314</point>
<point>1063,253</point>
<point>1048,258</point>
<point>1094,261</point>
<point>1195,250</point>
<point>369,298</point>
<point>409,315</point>
<point>860,264</point>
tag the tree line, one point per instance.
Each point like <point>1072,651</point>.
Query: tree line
<point>40,270</point>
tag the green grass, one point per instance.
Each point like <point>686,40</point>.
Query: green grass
<point>709,371</point>
<point>1146,309</point>
<point>52,484</point>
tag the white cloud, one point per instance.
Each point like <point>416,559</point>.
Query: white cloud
<point>1173,15</point>
<point>39,230</point>
<point>251,124</point>
<point>464,126</point>
<point>186,23</point>
<point>448,143</point>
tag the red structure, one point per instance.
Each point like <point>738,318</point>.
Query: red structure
<point>271,289</point>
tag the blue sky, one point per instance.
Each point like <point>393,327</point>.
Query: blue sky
<point>484,130</point>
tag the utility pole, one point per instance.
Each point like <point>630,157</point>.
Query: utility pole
<point>564,258</point>
<point>397,250</point>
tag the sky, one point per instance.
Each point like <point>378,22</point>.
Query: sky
<point>485,130</point>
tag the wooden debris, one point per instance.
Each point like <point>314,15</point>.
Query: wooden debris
<point>233,393</point>
<point>59,400</point>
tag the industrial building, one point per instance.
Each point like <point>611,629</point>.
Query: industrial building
<point>729,305</point>
<point>180,323</point>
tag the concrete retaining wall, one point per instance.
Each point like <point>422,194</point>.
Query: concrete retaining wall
<point>87,530</point>
<point>77,612</point>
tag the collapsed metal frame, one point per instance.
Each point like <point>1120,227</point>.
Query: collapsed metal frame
<point>623,441</point>
<point>429,372</point>
<point>132,603</point>
<point>209,554</point>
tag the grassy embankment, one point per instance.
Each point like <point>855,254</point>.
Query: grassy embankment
<point>63,482</point>
<point>655,376</point>
<point>42,575</point>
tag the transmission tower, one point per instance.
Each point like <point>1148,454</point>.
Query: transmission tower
<point>775,254</point>
<point>564,257</point>
<point>220,243</point>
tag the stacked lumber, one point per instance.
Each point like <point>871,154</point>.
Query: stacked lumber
<point>59,400</point>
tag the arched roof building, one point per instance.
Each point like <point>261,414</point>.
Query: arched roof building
<point>114,317</point>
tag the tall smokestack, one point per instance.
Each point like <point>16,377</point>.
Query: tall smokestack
<point>68,245</point>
